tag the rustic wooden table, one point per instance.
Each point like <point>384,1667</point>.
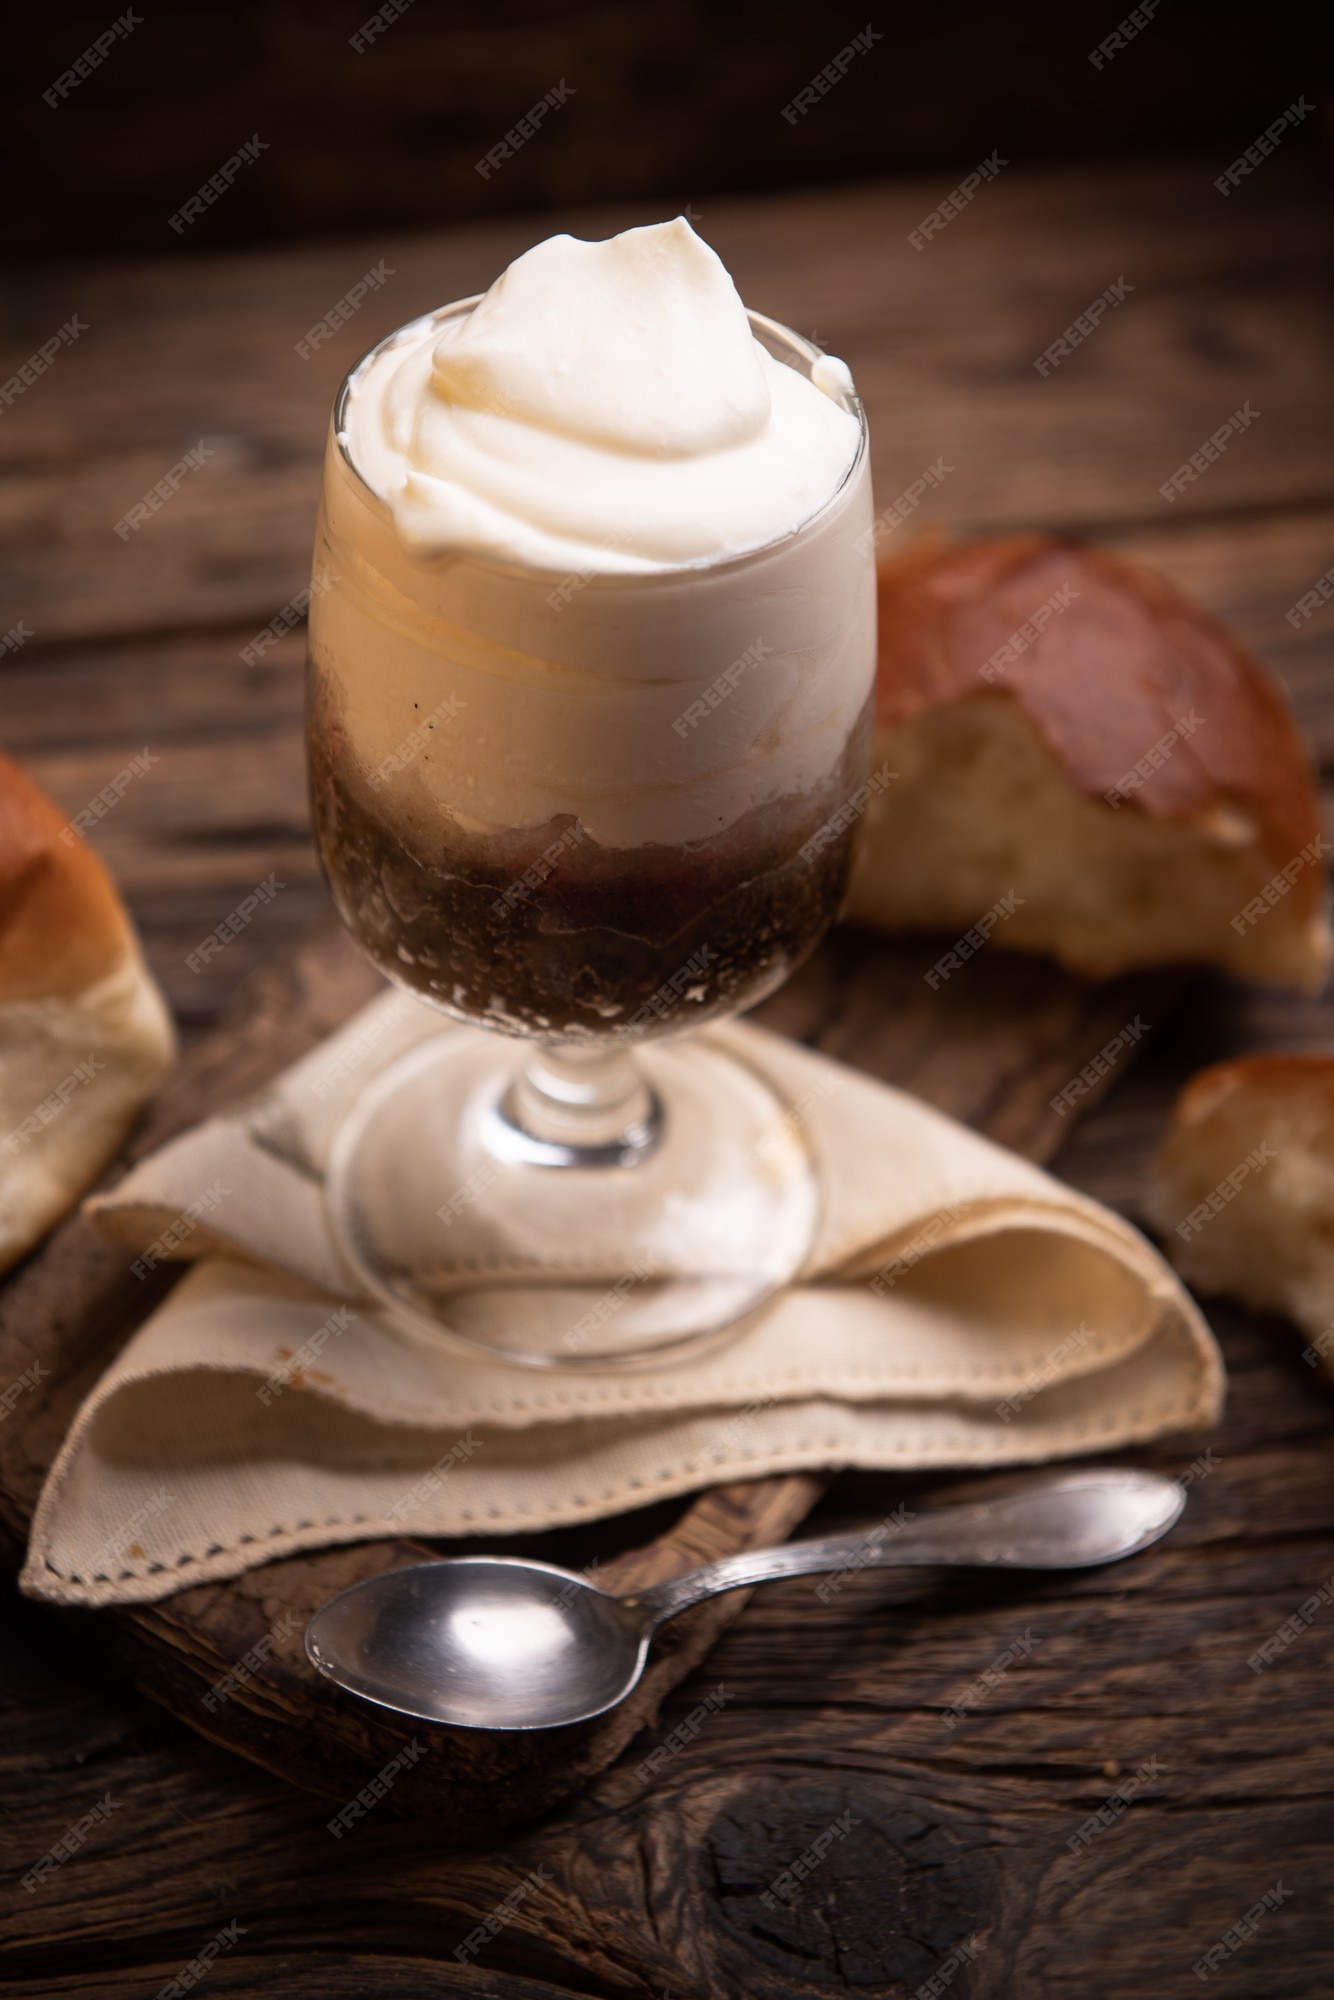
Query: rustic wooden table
<point>1135,1679</point>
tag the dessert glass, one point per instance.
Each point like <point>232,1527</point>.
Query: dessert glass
<point>603,1192</point>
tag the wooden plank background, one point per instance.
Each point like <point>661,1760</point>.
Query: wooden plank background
<point>656,1888</point>
<point>674,98</point>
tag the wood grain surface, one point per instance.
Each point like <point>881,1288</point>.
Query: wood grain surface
<point>993,1052</point>
<point>1128,1694</point>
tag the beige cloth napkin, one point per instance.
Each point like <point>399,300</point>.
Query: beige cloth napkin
<point>960,1308</point>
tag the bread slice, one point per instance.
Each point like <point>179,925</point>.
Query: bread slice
<point>84,1032</point>
<point>1242,1189</point>
<point>1080,746</point>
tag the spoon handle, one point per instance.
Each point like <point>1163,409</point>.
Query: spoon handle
<point>1067,1520</point>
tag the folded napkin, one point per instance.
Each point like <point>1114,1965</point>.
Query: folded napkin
<point>960,1307</point>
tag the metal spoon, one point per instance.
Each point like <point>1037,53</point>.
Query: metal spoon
<point>496,1642</point>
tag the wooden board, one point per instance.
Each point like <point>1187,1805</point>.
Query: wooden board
<point>994,1047</point>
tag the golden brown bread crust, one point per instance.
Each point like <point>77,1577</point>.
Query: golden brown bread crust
<point>945,610</point>
<point>62,926</point>
<point>1309,1076</point>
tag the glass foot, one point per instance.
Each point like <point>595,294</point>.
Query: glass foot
<point>583,1207</point>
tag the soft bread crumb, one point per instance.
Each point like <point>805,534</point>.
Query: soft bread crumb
<point>1242,1189</point>
<point>1068,727</point>
<point>981,806</point>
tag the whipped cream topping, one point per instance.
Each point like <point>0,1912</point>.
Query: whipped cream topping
<point>604,405</point>
<point>608,553</point>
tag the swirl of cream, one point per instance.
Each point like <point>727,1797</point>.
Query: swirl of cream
<point>604,406</point>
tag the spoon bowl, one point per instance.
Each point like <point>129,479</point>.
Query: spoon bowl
<point>482,1642</point>
<point>498,1642</point>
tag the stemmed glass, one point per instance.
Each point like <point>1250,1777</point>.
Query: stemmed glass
<point>571,1179</point>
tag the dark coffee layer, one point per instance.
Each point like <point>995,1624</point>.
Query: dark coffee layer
<point>541,931</point>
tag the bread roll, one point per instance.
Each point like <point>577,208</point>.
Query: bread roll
<point>84,1032</point>
<point>1081,746</point>
<point>1242,1189</point>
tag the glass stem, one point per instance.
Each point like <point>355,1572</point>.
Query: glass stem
<point>581,1105</point>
